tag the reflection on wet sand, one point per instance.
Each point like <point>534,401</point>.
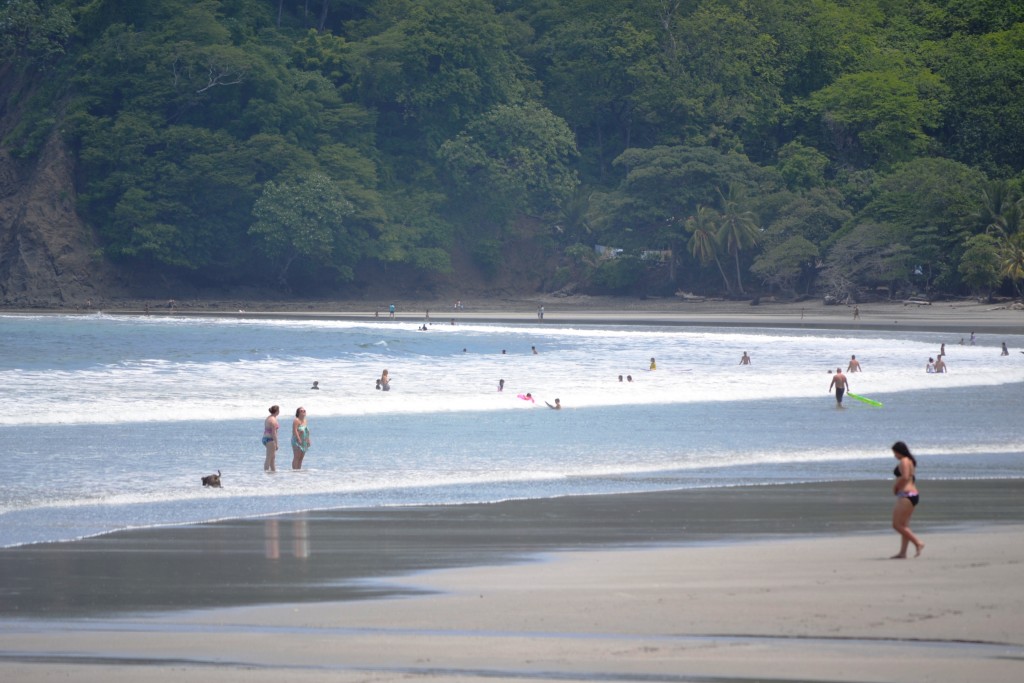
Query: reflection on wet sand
<point>300,538</point>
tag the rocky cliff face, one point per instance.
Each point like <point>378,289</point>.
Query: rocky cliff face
<point>46,251</point>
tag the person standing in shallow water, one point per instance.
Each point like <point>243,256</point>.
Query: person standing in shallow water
<point>907,497</point>
<point>841,386</point>
<point>300,438</point>
<point>270,428</point>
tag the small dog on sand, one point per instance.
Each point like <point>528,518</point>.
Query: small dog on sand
<point>212,480</point>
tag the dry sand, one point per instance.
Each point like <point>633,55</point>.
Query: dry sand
<point>824,609</point>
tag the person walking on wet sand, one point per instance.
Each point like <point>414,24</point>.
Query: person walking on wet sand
<point>907,497</point>
<point>841,386</point>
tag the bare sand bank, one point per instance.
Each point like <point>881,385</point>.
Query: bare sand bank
<point>768,583</point>
<point>959,318</point>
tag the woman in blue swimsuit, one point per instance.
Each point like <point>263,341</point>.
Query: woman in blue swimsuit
<point>907,497</point>
<point>300,438</point>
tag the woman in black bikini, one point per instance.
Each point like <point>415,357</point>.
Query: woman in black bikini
<point>907,497</point>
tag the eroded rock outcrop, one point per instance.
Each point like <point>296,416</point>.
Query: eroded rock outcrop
<point>47,253</point>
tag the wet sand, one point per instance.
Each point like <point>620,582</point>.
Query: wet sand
<point>776,582</point>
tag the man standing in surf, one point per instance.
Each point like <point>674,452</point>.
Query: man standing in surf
<point>841,386</point>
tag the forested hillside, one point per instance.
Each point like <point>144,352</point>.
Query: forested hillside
<point>845,148</point>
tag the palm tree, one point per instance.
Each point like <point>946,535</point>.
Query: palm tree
<point>703,243</point>
<point>1001,209</point>
<point>737,230</point>
<point>1011,251</point>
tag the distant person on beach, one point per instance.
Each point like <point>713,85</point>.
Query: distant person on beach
<point>907,497</point>
<point>841,386</point>
<point>654,366</point>
<point>854,365</point>
<point>391,311</point>
<point>629,378</point>
<point>557,406</point>
<point>620,378</point>
<point>540,313</point>
<point>744,360</point>
<point>940,365</point>
<point>856,312</point>
<point>942,349</point>
<point>1006,351</point>
<point>501,385</point>
<point>973,338</point>
<point>300,438</point>
<point>270,427</point>
<point>534,349</point>
<point>385,381</point>
<point>316,385</point>
<point>930,367</point>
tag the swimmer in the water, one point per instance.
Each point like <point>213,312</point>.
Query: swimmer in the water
<point>557,406</point>
<point>654,366</point>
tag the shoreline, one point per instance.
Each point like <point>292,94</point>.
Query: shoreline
<point>960,317</point>
<point>358,553</point>
<point>787,582</point>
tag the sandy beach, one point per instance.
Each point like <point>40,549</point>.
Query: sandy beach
<point>780,583</point>
<point>957,317</point>
<point>767,583</point>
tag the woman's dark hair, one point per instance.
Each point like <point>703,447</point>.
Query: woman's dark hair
<point>900,449</point>
<point>274,410</point>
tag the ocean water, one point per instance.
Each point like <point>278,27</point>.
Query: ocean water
<point>110,421</point>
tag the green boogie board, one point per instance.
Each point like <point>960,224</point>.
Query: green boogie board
<point>862,399</point>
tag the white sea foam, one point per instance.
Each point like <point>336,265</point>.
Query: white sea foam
<point>579,366</point>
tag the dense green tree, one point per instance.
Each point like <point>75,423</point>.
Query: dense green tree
<point>929,204</point>
<point>513,159</point>
<point>983,111</point>
<point>432,67</point>
<point>306,219</point>
<point>872,139</point>
<point>34,33</point>
<point>875,117</point>
<point>980,264</point>
<point>785,264</point>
